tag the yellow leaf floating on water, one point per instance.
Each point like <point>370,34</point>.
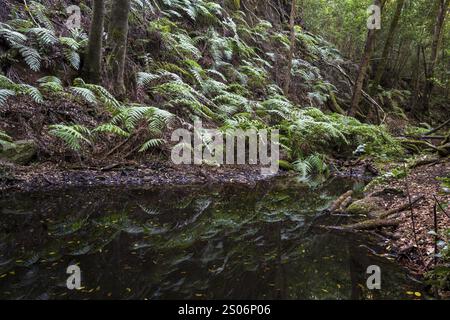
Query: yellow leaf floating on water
<point>410,293</point>
<point>417,294</point>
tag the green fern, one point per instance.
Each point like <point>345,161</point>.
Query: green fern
<point>4,137</point>
<point>111,129</point>
<point>72,135</point>
<point>4,95</point>
<point>9,88</point>
<point>152,143</point>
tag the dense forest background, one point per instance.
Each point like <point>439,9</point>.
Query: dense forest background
<point>133,69</point>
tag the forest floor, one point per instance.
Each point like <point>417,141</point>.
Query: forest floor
<point>414,245</point>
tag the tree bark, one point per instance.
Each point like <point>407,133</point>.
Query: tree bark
<point>93,59</point>
<point>118,34</point>
<point>440,18</point>
<point>287,83</point>
<point>359,83</point>
<point>388,44</point>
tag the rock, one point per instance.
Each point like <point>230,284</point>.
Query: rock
<point>364,206</point>
<point>19,152</point>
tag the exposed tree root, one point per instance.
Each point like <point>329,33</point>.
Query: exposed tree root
<point>339,202</point>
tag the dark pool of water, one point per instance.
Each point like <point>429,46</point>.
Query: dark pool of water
<point>214,242</point>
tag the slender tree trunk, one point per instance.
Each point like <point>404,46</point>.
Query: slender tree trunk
<point>388,44</point>
<point>118,34</point>
<point>415,80</point>
<point>359,83</point>
<point>287,83</point>
<point>93,59</point>
<point>440,18</point>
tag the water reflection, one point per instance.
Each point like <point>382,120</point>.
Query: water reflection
<point>187,242</point>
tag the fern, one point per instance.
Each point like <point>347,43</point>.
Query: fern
<point>72,135</point>
<point>85,94</point>
<point>95,93</point>
<point>152,143</point>
<point>9,88</point>
<point>44,36</point>
<point>51,84</point>
<point>111,129</point>
<point>5,137</point>
<point>4,95</point>
<point>313,164</point>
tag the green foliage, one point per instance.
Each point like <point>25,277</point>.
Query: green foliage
<point>5,137</point>
<point>92,94</point>
<point>33,40</point>
<point>313,164</point>
<point>72,135</point>
<point>310,130</point>
<point>8,88</point>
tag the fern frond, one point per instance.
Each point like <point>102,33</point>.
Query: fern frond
<point>111,128</point>
<point>4,95</point>
<point>44,36</point>
<point>152,143</point>
<point>72,135</point>
<point>85,94</point>
<point>5,137</point>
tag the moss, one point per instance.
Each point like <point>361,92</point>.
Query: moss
<point>19,152</point>
<point>364,206</point>
<point>286,165</point>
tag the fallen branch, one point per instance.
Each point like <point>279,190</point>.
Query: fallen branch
<point>438,128</point>
<point>338,202</point>
<point>403,207</point>
<point>367,225</point>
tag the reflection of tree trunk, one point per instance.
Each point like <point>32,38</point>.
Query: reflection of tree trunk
<point>280,273</point>
<point>117,286</point>
<point>355,272</point>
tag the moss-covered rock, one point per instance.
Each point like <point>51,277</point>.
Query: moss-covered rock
<point>364,206</point>
<point>19,152</point>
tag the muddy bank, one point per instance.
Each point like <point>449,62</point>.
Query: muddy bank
<point>51,176</point>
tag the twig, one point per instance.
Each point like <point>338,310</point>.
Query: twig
<point>412,211</point>
<point>440,206</point>
<point>438,128</point>
<point>400,208</point>
<point>364,94</point>
<point>435,233</point>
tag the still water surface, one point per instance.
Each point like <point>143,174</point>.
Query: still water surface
<point>203,242</point>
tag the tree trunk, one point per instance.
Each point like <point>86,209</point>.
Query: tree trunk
<point>93,60</point>
<point>415,81</point>
<point>287,83</point>
<point>359,83</point>
<point>440,18</point>
<point>118,33</point>
<point>388,44</point>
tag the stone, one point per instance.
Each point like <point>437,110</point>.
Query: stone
<point>364,206</point>
<point>19,152</point>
